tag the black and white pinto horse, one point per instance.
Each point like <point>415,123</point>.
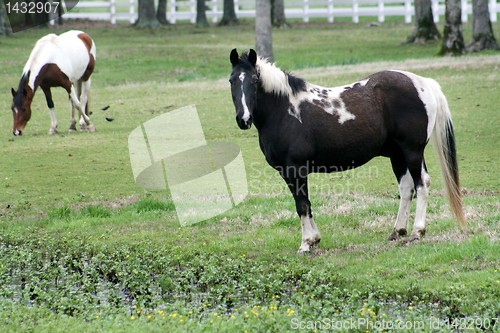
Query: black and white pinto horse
<point>306,128</point>
<point>67,61</point>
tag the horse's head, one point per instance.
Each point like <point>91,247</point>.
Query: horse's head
<point>244,79</point>
<point>21,105</point>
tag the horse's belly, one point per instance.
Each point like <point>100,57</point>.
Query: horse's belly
<point>336,163</point>
<point>75,65</point>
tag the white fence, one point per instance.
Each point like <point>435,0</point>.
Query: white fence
<point>185,10</point>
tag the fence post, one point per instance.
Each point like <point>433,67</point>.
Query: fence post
<point>131,11</point>
<point>173,10</point>
<point>330,11</point>
<point>214,11</point>
<point>192,10</point>
<point>112,11</point>
<point>435,10</point>
<point>493,10</point>
<point>306,11</point>
<point>465,10</point>
<point>408,11</point>
<point>381,17</point>
<point>355,11</point>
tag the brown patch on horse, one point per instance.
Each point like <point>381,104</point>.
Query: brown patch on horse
<point>50,75</point>
<point>87,40</point>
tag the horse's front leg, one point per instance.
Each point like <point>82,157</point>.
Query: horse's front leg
<point>50,105</point>
<point>310,233</point>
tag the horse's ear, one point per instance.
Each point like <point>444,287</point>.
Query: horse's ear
<point>234,57</point>
<point>252,57</point>
<point>14,93</point>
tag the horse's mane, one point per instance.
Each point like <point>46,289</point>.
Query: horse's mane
<point>18,99</point>
<point>275,80</point>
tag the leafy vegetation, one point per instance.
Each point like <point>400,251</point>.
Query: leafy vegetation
<point>83,248</point>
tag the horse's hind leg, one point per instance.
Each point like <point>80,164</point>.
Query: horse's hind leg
<point>78,105</point>
<point>422,187</point>
<point>406,190</point>
<point>422,182</point>
<point>84,99</point>
<point>72,126</point>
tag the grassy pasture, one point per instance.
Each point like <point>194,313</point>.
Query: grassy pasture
<point>83,248</point>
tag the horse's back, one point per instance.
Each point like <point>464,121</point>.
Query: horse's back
<point>71,52</point>
<point>386,106</point>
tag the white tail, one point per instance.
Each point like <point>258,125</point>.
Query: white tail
<point>443,140</point>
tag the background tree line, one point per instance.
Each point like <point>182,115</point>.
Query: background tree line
<point>271,13</point>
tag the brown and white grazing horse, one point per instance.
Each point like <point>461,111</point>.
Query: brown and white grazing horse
<point>306,128</point>
<point>66,61</point>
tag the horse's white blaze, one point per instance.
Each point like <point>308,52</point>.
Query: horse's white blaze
<point>67,51</point>
<point>426,95</point>
<point>246,111</point>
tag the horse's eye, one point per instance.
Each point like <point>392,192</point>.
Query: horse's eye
<point>255,78</point>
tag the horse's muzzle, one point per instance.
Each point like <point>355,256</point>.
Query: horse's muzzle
<point>242,124</point>
<point>17,132</point>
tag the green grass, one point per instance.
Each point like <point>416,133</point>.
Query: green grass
<point>83,248</point>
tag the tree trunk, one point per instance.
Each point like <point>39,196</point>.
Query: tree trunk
<point>4,27</point>
<point>425,28</point>
<point>453,39</point>
<point>278,14</point>
<point>201,15</point>
<point>147,15</point>
<point>229,14</point>
<point>263,29</point>
<point>161,12</point>
<point>482,32</point>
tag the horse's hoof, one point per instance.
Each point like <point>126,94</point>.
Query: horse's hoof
<point>72,128</point>
<point>304,249</point>
<point>91,128</point>
<point>52,131</point>
<point>396,234</point>
<point>83,127</point>
<point>416,235</point>
<point>308,245</point>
